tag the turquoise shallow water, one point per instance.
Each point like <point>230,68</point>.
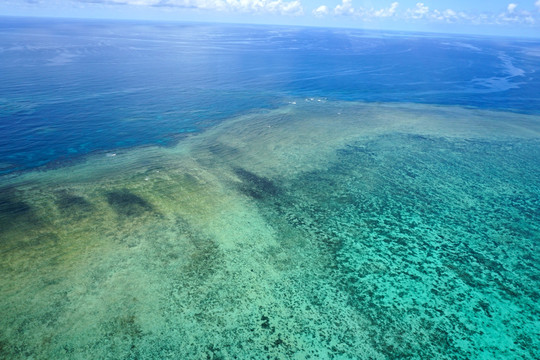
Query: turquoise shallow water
<point>317,230</point>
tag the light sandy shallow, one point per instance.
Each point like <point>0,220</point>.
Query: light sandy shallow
<point>317,230</point>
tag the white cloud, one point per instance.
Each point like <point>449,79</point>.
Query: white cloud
<point>387,12</point>
<point>291,8</point>
<point>513,16</point>
<point>419,12</point>
<point>323,10</point>
<point>448,15</point>
<point>244,6</point>
<point>345,8</point>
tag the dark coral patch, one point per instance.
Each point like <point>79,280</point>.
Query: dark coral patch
<point>220,149</point>
<point>68,202</point>
<point>13,210</point>
<point>13,207</point>
<point>126,203</point>
<point>256,186</point>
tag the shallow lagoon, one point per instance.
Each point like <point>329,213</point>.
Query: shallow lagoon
<point>319,229</point>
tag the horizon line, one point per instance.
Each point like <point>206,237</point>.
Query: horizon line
<point>237,23</point>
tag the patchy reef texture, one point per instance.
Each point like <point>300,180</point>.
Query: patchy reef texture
<point>320,230</point>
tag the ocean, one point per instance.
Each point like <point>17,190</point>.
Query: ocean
<point>220,191</point>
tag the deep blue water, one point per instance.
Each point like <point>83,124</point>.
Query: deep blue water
<point>72,87</point>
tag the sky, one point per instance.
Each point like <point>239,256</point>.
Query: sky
<point>484,17</point>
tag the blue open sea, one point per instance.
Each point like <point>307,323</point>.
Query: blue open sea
<point>69,88</point>
<point>212,191</point>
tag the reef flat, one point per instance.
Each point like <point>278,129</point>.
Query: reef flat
<point>339,230</point>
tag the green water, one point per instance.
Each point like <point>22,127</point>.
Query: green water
<point>316,231</point>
